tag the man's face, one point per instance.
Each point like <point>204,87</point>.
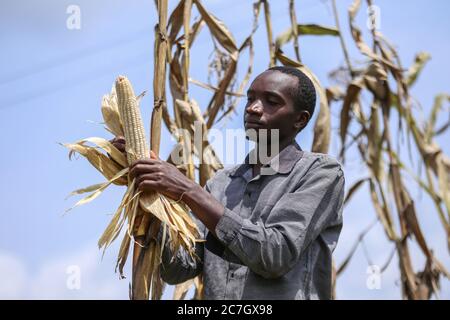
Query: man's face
<point>270,105</point>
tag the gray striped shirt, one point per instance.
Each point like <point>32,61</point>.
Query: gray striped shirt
<point>276,237</point>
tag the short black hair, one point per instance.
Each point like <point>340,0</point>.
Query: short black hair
<point>304,95</point>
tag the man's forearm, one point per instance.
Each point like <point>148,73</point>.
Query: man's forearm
<point>207,209</point>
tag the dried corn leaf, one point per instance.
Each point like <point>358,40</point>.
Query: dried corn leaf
<point>437,107</point>
<point>176,21</point>
<point>357,37</point>
<point>443,174</point>
<point>102,163</point>
<point>374,144</point>
<point>91,188</point>
<point>414,227</point>
<point>99,191</point>
<point>352,95</point>
<point>213,88</point>
<point>354,188</point>
<point>419,63</point>
<point>108,147</point>
<point>382,212</point>
<point>304,29</point>
<point>182,289</point>
<point>218,29</point>
<point>110,112</point>
<point>269,33</point>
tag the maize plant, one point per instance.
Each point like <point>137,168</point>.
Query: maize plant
<point>143,213</point>
<point>381,76</point>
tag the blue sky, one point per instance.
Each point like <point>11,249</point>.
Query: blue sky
<point>52,80</point>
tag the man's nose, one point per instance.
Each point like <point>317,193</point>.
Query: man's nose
<point>255,107</point>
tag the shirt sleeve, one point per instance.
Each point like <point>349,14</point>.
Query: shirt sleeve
<point>178,268</point>
<point>273,248</point>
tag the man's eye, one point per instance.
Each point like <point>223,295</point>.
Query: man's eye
<point>249,99</point>
<point>272,102</point>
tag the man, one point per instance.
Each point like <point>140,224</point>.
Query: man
<point>268,236</point>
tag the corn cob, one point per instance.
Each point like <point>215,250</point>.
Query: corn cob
<point>137,147</point>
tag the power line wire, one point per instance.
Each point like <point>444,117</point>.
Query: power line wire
<point>137,59</point>
<point>75,55</point>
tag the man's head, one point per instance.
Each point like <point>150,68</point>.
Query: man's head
<point>280,98</point>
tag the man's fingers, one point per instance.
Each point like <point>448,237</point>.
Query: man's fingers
<point>143,166</point>
<point>119,146</point>
<point>119,143</point>
<point>153,176</point>
<point>147,185</point>
<point>118,139</point>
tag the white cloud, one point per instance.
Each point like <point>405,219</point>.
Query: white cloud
<point>50,280</point>
<point>97,278</point>
<point>351,284</point>
<point>13,275</point>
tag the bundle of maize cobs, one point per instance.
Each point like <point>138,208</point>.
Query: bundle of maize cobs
<point>151,219</point>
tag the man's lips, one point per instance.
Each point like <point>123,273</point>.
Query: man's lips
<point>253,124</point>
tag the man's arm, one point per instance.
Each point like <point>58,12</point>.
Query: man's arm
<point>165,178</point>
<point>273,248</point>
<point>269,250</point>
<point>179,267</point>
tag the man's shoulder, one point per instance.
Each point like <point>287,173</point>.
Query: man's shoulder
<point>316,160</point>
<point>320,157</point>
<point>227,171</point>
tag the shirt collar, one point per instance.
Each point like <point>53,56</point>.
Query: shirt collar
<point>282,163</point>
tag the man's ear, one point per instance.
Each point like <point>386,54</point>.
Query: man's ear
<point>302,119</point>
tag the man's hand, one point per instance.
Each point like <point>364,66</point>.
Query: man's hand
<point>155,174</point>
<point>119,143</point>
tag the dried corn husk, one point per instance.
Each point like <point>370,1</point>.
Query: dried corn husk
<point>173,215</point>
